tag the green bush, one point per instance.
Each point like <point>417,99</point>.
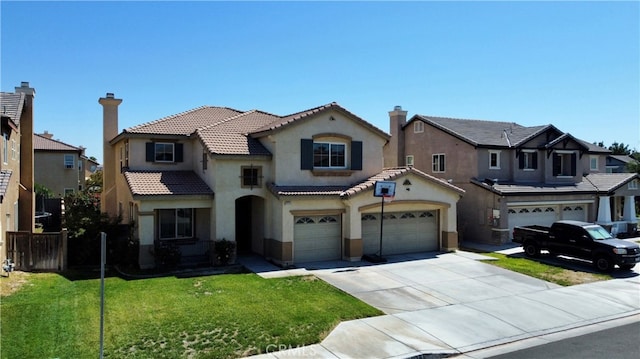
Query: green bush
<point>224,252</point>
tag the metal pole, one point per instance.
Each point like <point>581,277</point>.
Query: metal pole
<point>381,220</point>
<point>103,259</point>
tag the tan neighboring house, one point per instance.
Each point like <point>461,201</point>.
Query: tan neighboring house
<point>16,163</point>
<point>514,175</point>
<point>58,166</point>
<point>295,188</point>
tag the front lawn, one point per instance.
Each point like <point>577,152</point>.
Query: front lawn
<point>549,273</point>
<point>223,316</point>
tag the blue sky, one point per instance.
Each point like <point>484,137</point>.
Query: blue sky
<point>575,65</point>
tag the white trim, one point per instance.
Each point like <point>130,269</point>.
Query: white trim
<point>564,152</point>
<point>418,127</point>
<point>542,203</point>
<point>591,158</point>
<point>497,153</point>
<point>409,160</point>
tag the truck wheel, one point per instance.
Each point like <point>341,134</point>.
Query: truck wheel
<point>627,266</point>
<point>531,250</point>
<point>603,264</point>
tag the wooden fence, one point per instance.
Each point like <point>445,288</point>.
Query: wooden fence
<point>37,251</point>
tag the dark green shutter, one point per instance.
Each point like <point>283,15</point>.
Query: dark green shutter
<point>306,154</point>
<point>521,160</point>
<point>573,164</point>
<point>556,164</point>
<point>151,149</point>
<point>179,152</point>
<point>534,158</point>
<point>356,155</point>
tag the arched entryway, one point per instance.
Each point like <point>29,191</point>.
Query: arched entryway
<point>250,224</point>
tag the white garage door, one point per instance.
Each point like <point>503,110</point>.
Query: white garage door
<point>403,232</point>
<point>316,238</point>
<point>525,216</point>
<point>576,212</point>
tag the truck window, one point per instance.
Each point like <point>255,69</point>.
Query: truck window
<point>598,233</point>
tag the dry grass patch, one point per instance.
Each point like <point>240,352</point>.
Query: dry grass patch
<point>13,282</point>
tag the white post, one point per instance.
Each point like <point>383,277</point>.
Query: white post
<point>604,210</point>
<point>629,211</point>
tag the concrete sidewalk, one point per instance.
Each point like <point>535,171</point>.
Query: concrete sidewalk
<point>452,304</point>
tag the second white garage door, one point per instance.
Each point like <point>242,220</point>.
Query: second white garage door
<point>404,232</point>
<point>316,238</point>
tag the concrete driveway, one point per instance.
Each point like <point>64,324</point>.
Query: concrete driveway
<point>452,303</point>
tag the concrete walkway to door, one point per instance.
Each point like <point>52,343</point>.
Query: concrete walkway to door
<point>454,304</point>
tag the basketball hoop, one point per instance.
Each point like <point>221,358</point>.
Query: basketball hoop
<point>387,199</point>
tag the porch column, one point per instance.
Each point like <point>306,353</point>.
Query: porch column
<point>629,210</point>
<point>604,210</point>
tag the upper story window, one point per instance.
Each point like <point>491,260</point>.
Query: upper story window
<point>330,156</point>
<point>564,163</point>
<point>251,176</point>
<point>437,164</point>
<point>175,223</point>
<point>633,184</point>
<point>163,152</point>
<point>69,161</point>
<point>528,160</point>
<point>494,160</point>
<point>593,163</point>
<point>409,160</point>
<point>5,148</point>
<point>418,127</point>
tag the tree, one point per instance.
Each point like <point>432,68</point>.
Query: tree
<point>94,183</point>
<point>619,149</point>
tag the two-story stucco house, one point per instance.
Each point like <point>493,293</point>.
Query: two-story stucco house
<point>58,165</point>
<point>514,175</point>
<point>16,163</point>
<point>294,188</point>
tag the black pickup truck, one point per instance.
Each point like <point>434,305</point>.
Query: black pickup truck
<point>580,240</point>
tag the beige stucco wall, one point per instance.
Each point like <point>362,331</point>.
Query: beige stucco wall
<point>52,173</point>
<point>9,207</point>
<point>285,147</point>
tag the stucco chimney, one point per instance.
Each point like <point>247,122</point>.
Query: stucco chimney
<point>109,131</point>
<point>46,134</point>
<point>26,198</point>
<point>394,150</point>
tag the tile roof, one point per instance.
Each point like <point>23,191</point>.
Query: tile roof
<point>227,131</point>
<point>41,143</point>
<point>592,183</point>
<point>289,119</point>
<point>387,174</point>
<point>496,133</point>
<point>185,123</point>
<point>157,183</point>
<point>11,105</point>
<point>5,177</point>
<point>229,136</point>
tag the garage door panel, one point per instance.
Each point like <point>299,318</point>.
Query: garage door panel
<point>317,238</point>
<point>404,232</point>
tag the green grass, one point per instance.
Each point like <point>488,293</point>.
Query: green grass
<point>550,273</point>
<point>222,316</point>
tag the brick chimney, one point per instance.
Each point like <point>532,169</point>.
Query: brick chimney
<point>394,150</point>
<point>109,202</point>
<point>26,198</point>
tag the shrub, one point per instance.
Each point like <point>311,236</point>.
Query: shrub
<point>224,252</point>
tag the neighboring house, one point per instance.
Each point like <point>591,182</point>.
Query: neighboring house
<point>295,188</point>
<point>514,175</point>
<point>618,163</point>
<point>16,163</point>
<point>58,166</point>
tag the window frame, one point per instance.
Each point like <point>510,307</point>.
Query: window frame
<point>438,163</point>
<point>69,164</point>
<point>497,158</point>
<point>257,177</point>
<point>633,185</point>
<point>330,155</point>
<point>5,148</point>
<point>565,156</point>
<point>410,160</point>
<point>176,223</point>
<point>163,152</point>
<point>418,127</point>
<point>593,159</point>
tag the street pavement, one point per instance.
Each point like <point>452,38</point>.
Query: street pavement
<point>453,304</point>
